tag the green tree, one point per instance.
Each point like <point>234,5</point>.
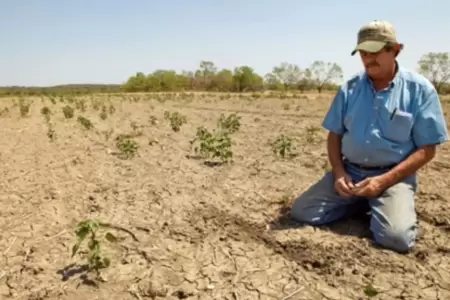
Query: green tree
<point>136,83</point>
<point>223,81</point>
<point>246,80</point>
<point>188,80</point>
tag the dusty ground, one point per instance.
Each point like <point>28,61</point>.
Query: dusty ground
<point>201,232</point>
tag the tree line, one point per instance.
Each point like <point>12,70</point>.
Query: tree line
<point>319,76</point>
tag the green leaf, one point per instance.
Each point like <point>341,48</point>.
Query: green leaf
<point>111,238</point>
<point>370,291</point>
<point>75,249</point>
<point>81,233</point>
<point>94,246</point>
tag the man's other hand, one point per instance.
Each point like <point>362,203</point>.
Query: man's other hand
<point>369,187</point>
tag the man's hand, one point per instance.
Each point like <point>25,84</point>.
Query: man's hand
<point>369,187</point>
<point>343,185</point>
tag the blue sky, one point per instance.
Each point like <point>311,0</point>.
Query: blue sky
<point>48,42</point>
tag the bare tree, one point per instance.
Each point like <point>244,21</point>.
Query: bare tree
<point>288,74</point>
<point>325,73</point>
<point>436,67</point>
<point>305,82</point>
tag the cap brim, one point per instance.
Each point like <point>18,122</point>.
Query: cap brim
<point>370,46</point>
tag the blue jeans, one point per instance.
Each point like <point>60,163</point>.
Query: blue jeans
<point>393,217</point>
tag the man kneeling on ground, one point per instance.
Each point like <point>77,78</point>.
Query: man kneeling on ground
<point>384,125</point>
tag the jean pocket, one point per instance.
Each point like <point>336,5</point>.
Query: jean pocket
<point>399,126</point>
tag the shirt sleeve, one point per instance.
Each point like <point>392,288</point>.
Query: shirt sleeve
<point>334,118</point>
<point>429,124</point>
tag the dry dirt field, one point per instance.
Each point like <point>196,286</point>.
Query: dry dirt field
<point>198,231</point>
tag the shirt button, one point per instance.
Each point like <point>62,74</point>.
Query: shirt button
<point>366,159</point>
<point>376,107</point>
<point>371,125</point>
<point>367,142</point>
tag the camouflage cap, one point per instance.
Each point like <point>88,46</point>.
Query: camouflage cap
<point>373,36</point>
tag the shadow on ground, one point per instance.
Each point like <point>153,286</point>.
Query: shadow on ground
<point>355,224</point>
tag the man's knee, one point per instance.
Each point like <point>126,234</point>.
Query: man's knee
<point>397,239</point>
<point>306,210</point>
<point>319,204</point>
<point>394,222</point>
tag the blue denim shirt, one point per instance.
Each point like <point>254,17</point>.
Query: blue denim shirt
<point>382,128</point>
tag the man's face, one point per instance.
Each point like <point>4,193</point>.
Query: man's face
<point>378,64</point>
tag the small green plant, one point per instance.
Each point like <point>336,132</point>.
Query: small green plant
<point>45,111</point>
<point>283,146</point>
<point>103,113</point>
<point>153,120</point>
<point>370,291</point>
<point>176,120</point>
<point>95,103</point>
<point>127,147</point>
<point>230,124</point>
<point>216,144</point>
<point>311,137</point>
<point>4,111</point>
<point>51,133</point>
<point>111,109</point>
<point>108,133</point>
<point>89,229</point>
<point>80,104</point>
<point>24,107</point>
<point>311,134</point>
<point>134,126</point>
<point>85,122</point>
<point>161,98</point>
<point>68,112</point>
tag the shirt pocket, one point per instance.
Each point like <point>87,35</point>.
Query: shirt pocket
<point>397,125</point>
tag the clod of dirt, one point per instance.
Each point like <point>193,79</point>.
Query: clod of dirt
<point>422,254</point>
<point>148,289</point>
<point>180,294</point>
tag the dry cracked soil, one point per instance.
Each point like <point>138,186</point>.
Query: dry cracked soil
<point>197,231</point>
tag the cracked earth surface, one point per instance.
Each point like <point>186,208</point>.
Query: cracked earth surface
<point>201,232</point>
